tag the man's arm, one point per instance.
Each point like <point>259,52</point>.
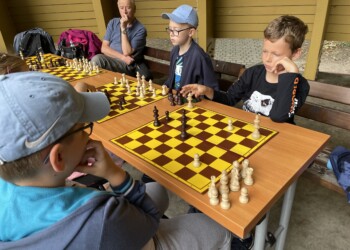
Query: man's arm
<point>108,51</point>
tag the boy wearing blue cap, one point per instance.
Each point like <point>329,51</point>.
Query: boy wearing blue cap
<point>188,62</point>
<point>45,125</point>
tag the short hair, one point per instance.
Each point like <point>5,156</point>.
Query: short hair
<point>290,27</point>
<point>9,62</point>
<point>132,2</point>
<point>23,168</point>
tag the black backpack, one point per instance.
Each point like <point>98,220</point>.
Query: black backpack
<point>32,41</point>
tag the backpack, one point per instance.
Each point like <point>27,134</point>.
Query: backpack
<point>88,40</point>
<point>339,161</point>
<point>32,41</point>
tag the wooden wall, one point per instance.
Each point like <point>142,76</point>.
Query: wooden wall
<point>149,13</point>
<point>338,24</point>
<point>248,19</point>
<point>54,16</point>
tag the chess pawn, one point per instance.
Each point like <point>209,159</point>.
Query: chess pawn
<point>249,179</point>
<point>163,90</point>
<point>214,197</point>
<point>245,165</point>
<point>225,202</point>
<point>229,125</point>
<point>128,90</point>
<point>154,94</point>
<point>196,162</point>
<point>127,82</point>
<point>244,198</point>
<point>137,91</point>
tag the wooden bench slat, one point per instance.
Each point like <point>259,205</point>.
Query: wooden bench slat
<point>325,115</point>
<point>330,92</point>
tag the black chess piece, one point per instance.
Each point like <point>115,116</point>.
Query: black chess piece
<point>167,118</point>
<point>156,122</point>
<point>121,105</point>
<point>123,100</point>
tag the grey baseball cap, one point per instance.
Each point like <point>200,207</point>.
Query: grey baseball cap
<point>36,109</point>
<point>183,14</point>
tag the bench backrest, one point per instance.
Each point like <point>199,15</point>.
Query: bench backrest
<point>158,61</point>
<point>324,114</point>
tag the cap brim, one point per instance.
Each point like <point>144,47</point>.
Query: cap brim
<point>96,106</point>
<point>173,17</point>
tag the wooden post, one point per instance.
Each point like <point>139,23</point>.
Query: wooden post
<point>316,41</point>
<point>205,28</point>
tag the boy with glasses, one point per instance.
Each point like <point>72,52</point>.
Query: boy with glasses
<point>188,62</point>
<point>45,126</point>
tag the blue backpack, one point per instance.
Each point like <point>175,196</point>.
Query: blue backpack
<point>339,161</point>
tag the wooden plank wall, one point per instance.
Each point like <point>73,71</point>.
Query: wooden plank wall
<point>54,16</point>
<point>338,25</point>
<point>149,13</point>
<point>248,19</point>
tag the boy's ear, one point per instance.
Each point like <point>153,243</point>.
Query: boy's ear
<point>296,54</point>
<point>56,160</point>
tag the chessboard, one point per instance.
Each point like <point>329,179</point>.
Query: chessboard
<point>55,65</point>
<point>117,92</point>
<point>207,135</point>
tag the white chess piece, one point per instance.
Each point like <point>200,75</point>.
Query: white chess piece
<point>214,197</point>
<point>154,93</point>
<point>212,184</point>
<point>236,165</point>
<point>115,80</point>
<point>234,183</point>
<point>249,179</point>
<point>163,90</point>
<point>150,88</point>
<point>256,132</point>
<point>225,202</point>
<point>189,99</point>
<point>196,162</point>
<point>245,165</point>
<point>229,125</point>
<point>224,183</point>
<point>244,198</point>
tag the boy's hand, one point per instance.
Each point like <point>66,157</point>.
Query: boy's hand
<point>197,90</point>
<point>285,65</point>
<point>96,161</point>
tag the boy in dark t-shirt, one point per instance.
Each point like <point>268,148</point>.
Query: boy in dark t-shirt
<point>275,88</point>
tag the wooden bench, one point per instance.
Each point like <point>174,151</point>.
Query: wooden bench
<point>159,60</point>
<point>328,105</point>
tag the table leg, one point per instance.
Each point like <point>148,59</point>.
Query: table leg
<point>260,233</point>
<point>285,215</point>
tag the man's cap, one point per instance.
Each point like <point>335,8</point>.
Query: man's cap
<point>183,14</point>
<point>36,109</point>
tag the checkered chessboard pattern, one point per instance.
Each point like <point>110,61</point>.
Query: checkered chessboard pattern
<point>132,102</point>
<point>208,136</point>
<point>57,69</point>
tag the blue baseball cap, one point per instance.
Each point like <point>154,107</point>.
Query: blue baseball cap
<point>36,109</point>
<point>183,14</point>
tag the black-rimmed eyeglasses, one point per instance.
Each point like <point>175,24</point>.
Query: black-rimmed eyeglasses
<point>176,32</point>
<point>88,128</point>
